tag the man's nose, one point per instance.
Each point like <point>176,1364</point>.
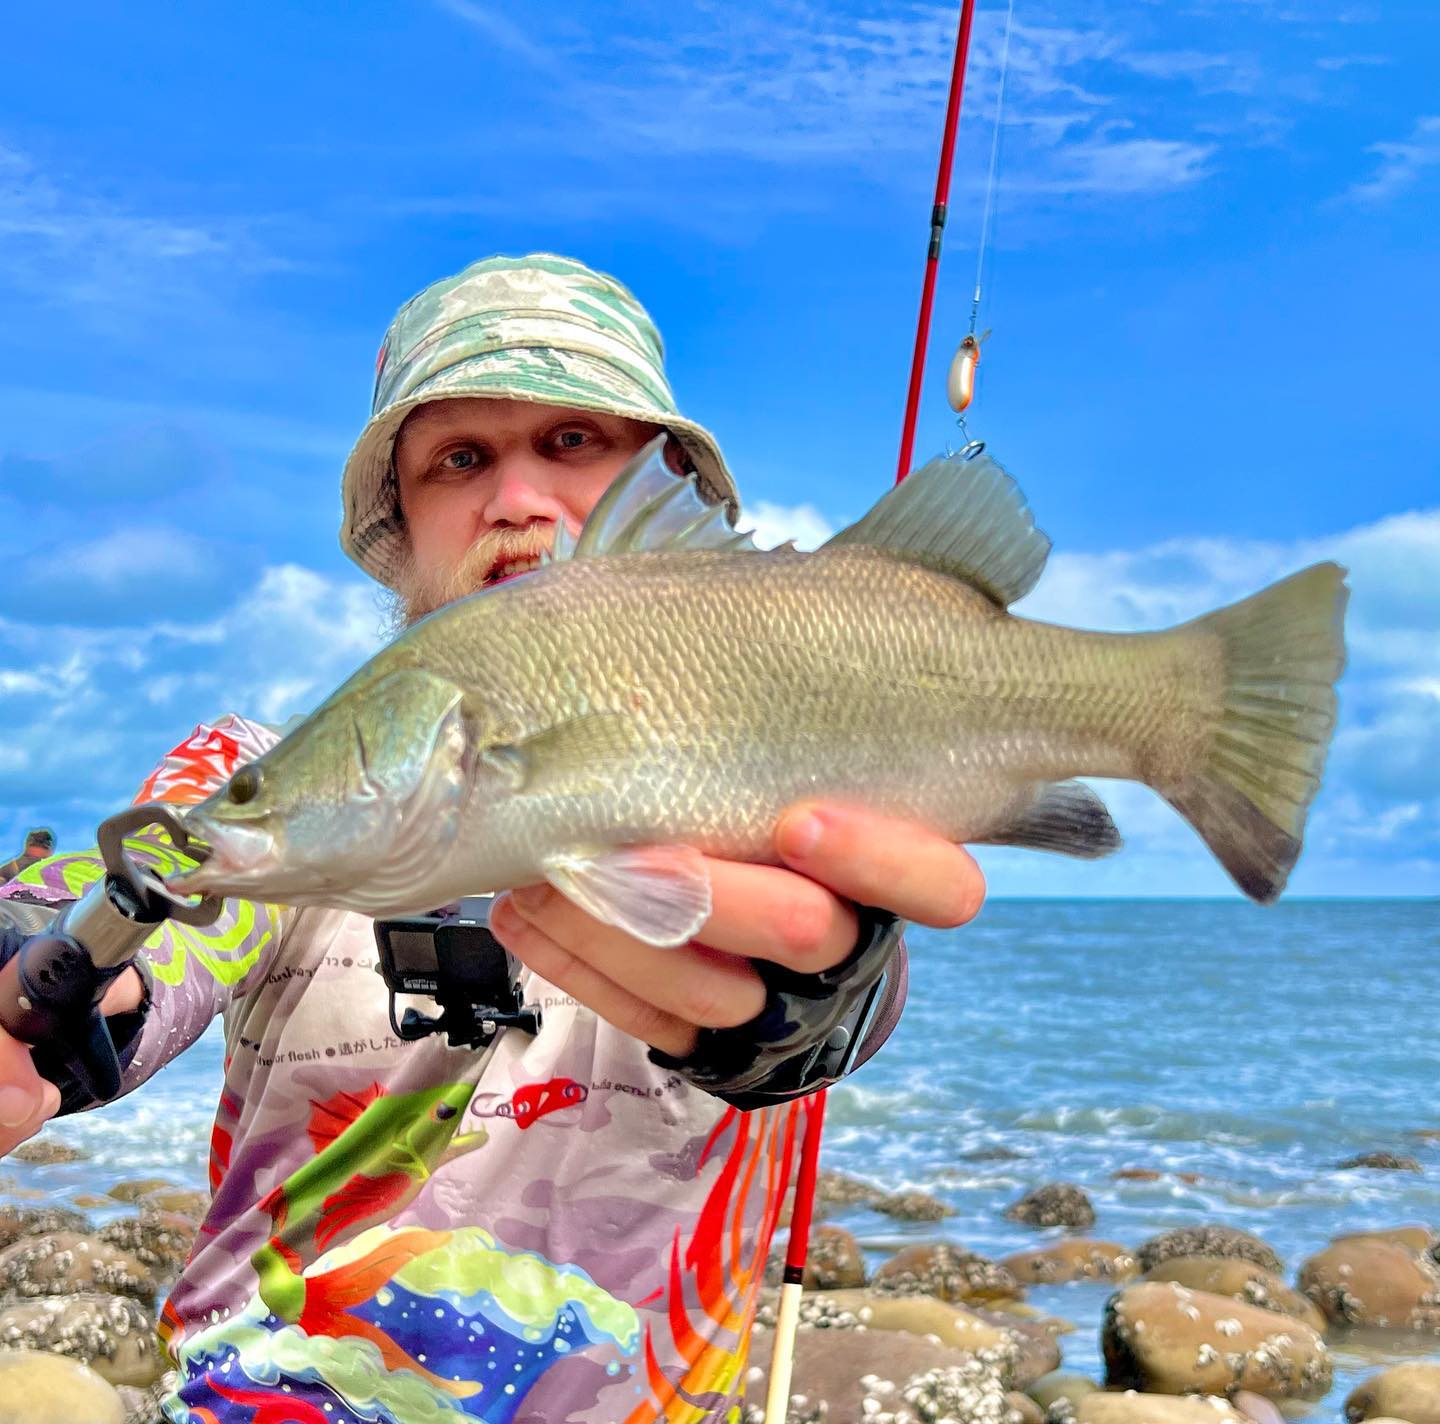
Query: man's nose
<point>520,490</point>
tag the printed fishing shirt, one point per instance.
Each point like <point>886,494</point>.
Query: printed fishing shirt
<point>553,1229</point>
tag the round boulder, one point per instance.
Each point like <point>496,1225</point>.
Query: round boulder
<point>39,1388</point>
<point>1170,1340</point>
<point>1059,1385</point>
<point>840,1370</point>
<point>949,1272</point>
<point>110,1333</point>
<point>1414,1238</point>
<point>1240,1280</point>
<point>836,1189</point>
<point>19,1221</point>
<point>1133,1408</point>
<point>137,1187</point>
<point>1380,1162</point>
<point>913,1206</point>
<point>833,1260</point>
<point>68,1263</point>
<point>1373,1282</point>
<point>1207,1241</point>
<point>1055,1204</point>
<point>46,1152</point>
<point>1078,1259</point>
<point>1409,1392</point>
<point>162,1240</point>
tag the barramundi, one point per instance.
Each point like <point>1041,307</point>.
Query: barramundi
<point>660,689</point>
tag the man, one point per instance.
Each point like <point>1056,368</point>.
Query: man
<point>38,844</point>
<point>569,1226</point>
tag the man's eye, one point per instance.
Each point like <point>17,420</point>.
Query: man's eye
<point>572,439</point>
<point>465,459</point>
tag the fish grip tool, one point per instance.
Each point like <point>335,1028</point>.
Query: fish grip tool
<point>51,988</point>
<point>456,960</point>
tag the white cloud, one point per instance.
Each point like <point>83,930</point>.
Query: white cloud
<point>775,523</point>
<point>62,243</point>
<point>1401,164</point>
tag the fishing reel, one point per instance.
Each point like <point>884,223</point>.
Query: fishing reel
<point>51,987</point>
<point>458,962</point>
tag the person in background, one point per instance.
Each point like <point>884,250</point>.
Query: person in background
<point>39,843</point>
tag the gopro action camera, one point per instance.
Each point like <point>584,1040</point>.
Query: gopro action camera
<point>455,960</point>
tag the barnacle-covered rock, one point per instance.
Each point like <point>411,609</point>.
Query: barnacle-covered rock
<point>1169,1340</point>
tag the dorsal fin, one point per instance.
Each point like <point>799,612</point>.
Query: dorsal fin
<point>963,517</point>
<point>648,508</point>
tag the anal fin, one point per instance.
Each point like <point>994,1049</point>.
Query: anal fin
<point>1067,818</point>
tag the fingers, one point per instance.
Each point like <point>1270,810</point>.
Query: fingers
<point>768,912</point>
<point>528,937</point>
<point>27,1101</point>
<point>893,864</point>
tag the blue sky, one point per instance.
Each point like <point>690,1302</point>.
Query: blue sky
<point>1212,281</point>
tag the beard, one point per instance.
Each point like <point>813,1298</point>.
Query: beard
<point>418,591</point>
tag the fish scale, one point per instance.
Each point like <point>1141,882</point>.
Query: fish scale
<point>647,695</point>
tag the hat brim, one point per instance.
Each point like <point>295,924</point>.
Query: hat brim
<point>372,532</point>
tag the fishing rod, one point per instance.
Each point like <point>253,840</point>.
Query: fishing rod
<point>787,1320</point>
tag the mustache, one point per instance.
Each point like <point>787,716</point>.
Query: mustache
<point>421,591</point>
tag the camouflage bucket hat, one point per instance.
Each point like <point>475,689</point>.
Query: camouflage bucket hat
<point>540,328</point>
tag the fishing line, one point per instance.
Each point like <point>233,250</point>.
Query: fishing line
<point>994,163</point>
<point>960,387</point>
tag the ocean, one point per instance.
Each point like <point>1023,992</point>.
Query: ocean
<point>1066,1041</point>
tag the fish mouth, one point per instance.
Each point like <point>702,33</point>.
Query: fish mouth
<point>234,855</point>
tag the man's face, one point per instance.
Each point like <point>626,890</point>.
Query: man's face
<point>484,484</point>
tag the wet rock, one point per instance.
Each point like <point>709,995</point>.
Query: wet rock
<point>833,1260</point>
<point>1078,1259</point>
<point>1170,1340</point>
<point>1056,1204</point>
<point>66,1263</point>
<point>46,1151</point>
<point>1038,1349</point>
<point>913,1206</point>
<point>1006,1311</point>
<point>110,1333</point>
<point>143,1406</point>
<point>1380,1161</point>
<point>1133,1408</point>
<point>18,1221</point>
<point>952,1325</point>
<point>1057,1385</point>
<point>183,1201</point>
<point>949,1272</point>
<point>840,1370</point>
<point>1256,1408</point>
<point>1410,1392</point>
<point>40,1388</point>
<point>1413,1238</point>
<point>835,1188</point>
<point>88,1201</point>
<point>133,1190</point>
<point>1207,1241</point>
<point>1379,1283</point>
<point>1240,1280</point>
<point>162,1240</point>
<point>1023,1409</point>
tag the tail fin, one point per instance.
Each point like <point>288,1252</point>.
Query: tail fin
<point>1283,650</point>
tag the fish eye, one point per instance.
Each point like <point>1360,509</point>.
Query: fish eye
<point>244,785</point>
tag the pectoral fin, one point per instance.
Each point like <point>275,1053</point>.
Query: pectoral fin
<point>1067,818</point>
<point>659,894</point>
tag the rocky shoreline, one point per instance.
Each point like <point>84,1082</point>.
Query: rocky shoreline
<point>1202,1324</point>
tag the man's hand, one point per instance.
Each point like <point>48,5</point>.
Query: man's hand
<point>800,916</point>
<point>28,1101</point>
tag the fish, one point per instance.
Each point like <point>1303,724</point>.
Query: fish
<point>661,689</point>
